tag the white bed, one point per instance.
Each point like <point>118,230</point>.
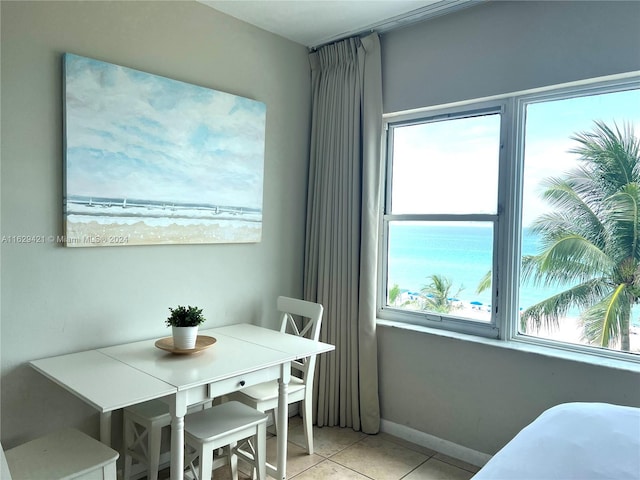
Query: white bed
<point>578,441</point>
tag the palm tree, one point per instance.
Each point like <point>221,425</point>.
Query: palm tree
<point>484,283</point>
<point>591,241</point>
<point>394,294</point>
<point>438,294</point>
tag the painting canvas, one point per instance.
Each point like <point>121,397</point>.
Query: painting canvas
<point>150,160</point>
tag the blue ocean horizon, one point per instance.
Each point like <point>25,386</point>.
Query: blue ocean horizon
<point>461,253</point>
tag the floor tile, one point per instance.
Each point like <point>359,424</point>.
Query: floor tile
<point>405,443</point>
<point>224,473</point>
<point>345,454</point>
<point>328,469</point>
<point>458,463</point>
<point>294,421</point>
<point>434,469</point>
<point>327,441</point>
<point>379,459</point>
<point>298,459</point>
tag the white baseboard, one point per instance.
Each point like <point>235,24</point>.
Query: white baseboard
<point>435,443</point>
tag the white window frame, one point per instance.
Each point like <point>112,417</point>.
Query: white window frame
<point>450,322</point>
<point>507,221</point>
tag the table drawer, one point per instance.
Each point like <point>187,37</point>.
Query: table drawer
<point>238,382</point>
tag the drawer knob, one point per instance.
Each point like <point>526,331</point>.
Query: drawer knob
<point>242,383</point>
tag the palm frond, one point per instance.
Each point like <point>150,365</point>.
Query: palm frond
<point>576,195</point>
<point>484,283</point>
<point>610,152</point>
<point>623,217</point>
<point>569,259</point>
<point>553,226</point>
<point>548,312</point>
<point>604,321</point>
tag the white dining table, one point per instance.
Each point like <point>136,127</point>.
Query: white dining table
<point>119,376</point>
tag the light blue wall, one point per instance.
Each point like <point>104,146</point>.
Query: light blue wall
<point>57,300</point>
<point>504,46</point>
<point>472,394</point>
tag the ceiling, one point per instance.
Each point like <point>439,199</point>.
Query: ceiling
<point>316,22</point>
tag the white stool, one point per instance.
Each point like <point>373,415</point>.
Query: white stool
<point>142,429</point>
<point>66,454</point>
<point>221,426</point>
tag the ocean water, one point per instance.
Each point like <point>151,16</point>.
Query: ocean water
<point>461,253</point>
<point>121,211</point>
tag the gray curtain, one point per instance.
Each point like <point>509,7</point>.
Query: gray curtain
<point>342,228</point>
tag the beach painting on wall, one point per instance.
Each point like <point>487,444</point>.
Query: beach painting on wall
<point>150,160</point>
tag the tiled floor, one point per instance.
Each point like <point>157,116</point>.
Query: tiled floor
<point>341,453</point>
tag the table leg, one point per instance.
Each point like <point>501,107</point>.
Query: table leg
<point>178,409</point>
<point>283,416</point>
<point>105,428</point>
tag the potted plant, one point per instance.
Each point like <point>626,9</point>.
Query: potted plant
<point>184,322</point>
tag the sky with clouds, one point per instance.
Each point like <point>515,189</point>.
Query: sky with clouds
<point>426,156</point>
<point>130,134</point>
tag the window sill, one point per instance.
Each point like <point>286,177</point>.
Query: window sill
<point>521,345</point>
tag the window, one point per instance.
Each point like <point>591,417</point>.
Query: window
<point>439,244</point>
<point>485,225</point>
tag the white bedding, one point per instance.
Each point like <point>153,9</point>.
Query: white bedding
<point>578,441</point>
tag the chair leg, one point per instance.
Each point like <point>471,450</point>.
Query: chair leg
<point>128,461</point>
<point>206,463</point>
<point>275,418</point>
<point>260,457</point>
<point>190,456</point>
<point>233,460</point>
<point>250,444</point>
<point>154,437</point>
<point>128,440</point>
<point>308,426</point>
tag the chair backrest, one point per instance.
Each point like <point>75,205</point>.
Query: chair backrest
<point>307,326</point>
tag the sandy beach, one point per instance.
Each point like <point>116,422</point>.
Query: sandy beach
<point>569,329</point>
<point>94,234</point>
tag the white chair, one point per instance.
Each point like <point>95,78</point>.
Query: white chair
<point>142,430</point>
<point>66,454</point>
<point>220,426</point>
<point>264,397</point>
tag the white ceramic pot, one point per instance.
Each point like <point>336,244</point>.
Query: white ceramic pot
<point>184,338</point>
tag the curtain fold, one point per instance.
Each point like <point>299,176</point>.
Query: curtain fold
<point>342,228</point>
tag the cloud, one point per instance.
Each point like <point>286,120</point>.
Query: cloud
<point>150,137</point>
